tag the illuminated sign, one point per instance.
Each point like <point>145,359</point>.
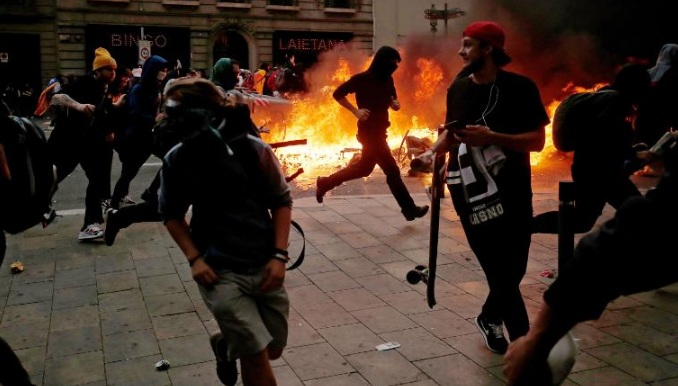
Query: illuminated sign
<point>306,45</point>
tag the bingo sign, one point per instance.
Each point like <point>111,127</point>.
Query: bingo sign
<point>144,50</point>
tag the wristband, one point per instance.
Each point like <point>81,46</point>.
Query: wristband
<point>282,258</point>
<point>281,251</point>
<point>192,261</point>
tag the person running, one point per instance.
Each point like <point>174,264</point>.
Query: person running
<point>601,156</point>
<point>495,118</point>
<point>238,234</point>
<point>375,93</point>
<point>134,146</point>
<point>80,137</point>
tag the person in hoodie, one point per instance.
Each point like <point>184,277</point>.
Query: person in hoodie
<point>135,145</point>
<point>225,74</point>
<point>375,93</point>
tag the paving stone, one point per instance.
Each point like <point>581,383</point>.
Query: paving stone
<point>155,266</point>
<point>30,293</point>
<point>472,346</point>
<point>333,281</point>
<point>301,333</point>
<point>417,344</point>
<point>74,297</point>
<point>26,313</point>
<point>75,318</point>
<point>129,345</point>
<point>339,251</point>
<point>317,263</point>
<point>36,273</point>
<point>199,374</point>
<point>456,370</point>
<point>350,338</point>
<point>80,369</point>
<point>359,267</point>
<point>645,337</point>
<point>76,277</point>
<point>356,299</point>
<point>113,263</point>
<point>186,350</point>
<point>177,303</point>
<point>125,321</point>
<point>634,361</point>
<point>137,371</point>
<point>383,319</point>
<point>122,300</point>
<point>383,284</point>
<point>605,376</point>
<point>385,367</point>
<point>443,323</point>
<point>26,335</point>
<point>316,361</point>
<point>381,254</point>
<point>173,326</point>
<point>161,285</point>
<point>326,315</point>
<point>117,281</point>
<point>349,379</point>
<point>69,342</point>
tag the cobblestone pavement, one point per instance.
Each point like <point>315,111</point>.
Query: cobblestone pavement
<point>88,314</point>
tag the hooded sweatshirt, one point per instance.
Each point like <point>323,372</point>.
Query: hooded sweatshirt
<point>668,56</point>
<point>374,90</point>
<point>144,99</point>
<point>223,74</point>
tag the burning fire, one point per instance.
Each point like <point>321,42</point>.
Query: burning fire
<point>330,129</point>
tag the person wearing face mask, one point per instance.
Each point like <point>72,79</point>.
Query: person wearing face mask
<point>135,145</point>
<point>375,93</point>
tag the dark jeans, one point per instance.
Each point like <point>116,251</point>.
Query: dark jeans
<point>12,372</point>
<point>376,152</point>
<point>146,211</point>
<point>502,250</point>
<point>590,199</point>
<point>133,153</point>
<point>95,158</point>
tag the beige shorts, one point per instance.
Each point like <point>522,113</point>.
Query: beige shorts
<point>250,320</point>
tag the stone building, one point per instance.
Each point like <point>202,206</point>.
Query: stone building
<point>39,38</point>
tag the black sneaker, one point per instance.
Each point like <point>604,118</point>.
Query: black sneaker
<point>321,187</point>
<point>493,334</point>
<point>226,370</point>
<point>112,226</point>
<point>417,212</point>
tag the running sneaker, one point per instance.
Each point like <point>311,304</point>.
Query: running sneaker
<point>227,371</point>
<point>91,232</point>
<point>493,333</point>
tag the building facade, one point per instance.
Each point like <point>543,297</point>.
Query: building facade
<point>40,38</point>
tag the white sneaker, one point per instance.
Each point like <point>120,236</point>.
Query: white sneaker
<point>91,232</point>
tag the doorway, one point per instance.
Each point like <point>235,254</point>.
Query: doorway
<point>231,44</point>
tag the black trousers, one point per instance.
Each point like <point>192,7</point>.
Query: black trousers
<point>133,152</point>
<point>95,157</point>
<point>502,249</point>
<point>146,211</point>
<point>376,152</point>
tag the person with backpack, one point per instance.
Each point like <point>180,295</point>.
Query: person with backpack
<point>238,234</point>
<point>598,127</point>
<point>81,136</point>
<point>26,187</point>
<point>375,94</point>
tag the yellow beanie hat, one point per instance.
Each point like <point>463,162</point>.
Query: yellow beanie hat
<point>103,58</point>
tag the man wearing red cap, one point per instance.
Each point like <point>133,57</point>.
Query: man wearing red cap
<point>495,118</point>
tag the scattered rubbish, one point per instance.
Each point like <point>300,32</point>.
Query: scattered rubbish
<point>17,267</point>
<point>388,346</point>
<point>162,365</point>
<point>548,273</point>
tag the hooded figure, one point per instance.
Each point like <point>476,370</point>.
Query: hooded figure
<point>135,147</point>
<point>382,65</point>
<point>668,57</point>
<point>225,73</point>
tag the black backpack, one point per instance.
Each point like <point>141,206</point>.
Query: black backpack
<point>575,114</point>
<point>26,198</point>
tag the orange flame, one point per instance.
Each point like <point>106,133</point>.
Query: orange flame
<point>330,129</point>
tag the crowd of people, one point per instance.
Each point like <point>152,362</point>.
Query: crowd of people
<point>236,240</point>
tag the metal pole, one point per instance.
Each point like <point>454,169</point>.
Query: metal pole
<point>566,197</point>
